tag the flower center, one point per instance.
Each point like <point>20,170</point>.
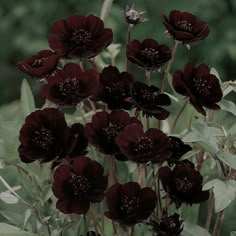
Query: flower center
<point>143,145</point>
<point>80,185</point>
<point>37,62</point>
<point>149,96</point>
<point>129,204</point>
<point>184,25</point>
<point>70,87</point>
<point>80,36</point>
<point>202,86</point>
<point>115,90</point>
<point>183,184</point>
<point>111,131</point>
<point>150,54</point>
<point>43,139</point>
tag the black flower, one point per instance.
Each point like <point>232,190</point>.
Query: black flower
<point>183,184</point>
<point>149,54</point>
<point>79,36</point>
<point>79,185</point>
<point>199,85</point>
<point>130,204</point>
<point>185,27</point>
<point>150,100</point>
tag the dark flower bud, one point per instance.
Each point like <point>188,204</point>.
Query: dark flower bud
<point>134,17</point>
<point>167,226</point>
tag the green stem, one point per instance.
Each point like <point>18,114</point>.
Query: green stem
<point>218,223</point>
<point>209,212</point>
<point>163,87</point>
<point>178,115</point>
<point>128,40</point>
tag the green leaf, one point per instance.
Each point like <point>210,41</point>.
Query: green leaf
<point>227,158</point>
<point>27,216</point>
<point>224,192</point>
<point>27,98</point>
<point>10,230</point>
<point>205,136</point>
<point>189,154</point>
<point>227,105</point>
<point>233,233</point>
<point>190,213</point>
<point>213,71</point>
<point>194,230</point>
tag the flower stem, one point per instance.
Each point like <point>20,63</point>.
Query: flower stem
<point>178,115</point>
<point>209,212</point>
<point>218,223</point>
<point>131,231</point>
<point>128,40</point>
<point>148,77</point>
<point>96,224</point>
<point>163,87</point>
<point>113,171</point>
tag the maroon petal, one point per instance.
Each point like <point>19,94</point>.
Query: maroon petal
<point>130,189</point>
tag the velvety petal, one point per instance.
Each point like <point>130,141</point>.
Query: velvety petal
<point>80,165</point>
<point>150,43</point>
<point>166,177</point>
<point>200,197</point>
<point>79,206</point>
<point>178,83</point>
<point>73,70</point>
<point>76,22</point>
<point>148,199</point>
<point>113,198</point>
<point>130,189</point>
<point>94,24</point>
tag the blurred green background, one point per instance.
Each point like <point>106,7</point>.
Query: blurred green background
<point>24,26</point>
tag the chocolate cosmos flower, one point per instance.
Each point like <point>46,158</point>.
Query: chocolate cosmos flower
<point>183,184</point>
<point>149,54</point>
<point>114,88</point>
<point>43,136</point>
<point>40,65</point>
<point>185,27</point>
<point>199,85</point>
<point>168,226</point>
<point>104,128</point>
<point>129,204</point>
<point>70,85</point>
<point>77,185</point>
<point>150,100</point>
<point>79,36</point>
<point>142,147</point>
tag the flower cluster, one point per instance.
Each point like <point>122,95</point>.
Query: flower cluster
<point>114,127</point>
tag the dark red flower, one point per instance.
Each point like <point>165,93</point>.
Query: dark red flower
<point>128,204</point>
<point>43,136</point>
<point>40,65</point>
<point>150,100</point>
<point>183,184</point>
<point>104,128</point>
<point>114,88</point>
<point>185,27</point>
<point>70,85</point>
<point>149,54</point>
<point>79,36</point>
<point>199,85</point>
<point>167,226</point>
<point>142,147</point>
<point>77,185</point>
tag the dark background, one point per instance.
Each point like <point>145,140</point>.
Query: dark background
<point>25,24</point>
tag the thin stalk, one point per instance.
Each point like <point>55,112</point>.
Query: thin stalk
<point>96,224</point>
<point>177,117</point>
<point>163,87</point>
<point>142,174</point>
<point>218,223</point>
<point>148,77</point>
<point>128,40</point>
<point>81,64</point>
<point>113,171</point>
<point>209,212</point>
<point>131,231</point>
